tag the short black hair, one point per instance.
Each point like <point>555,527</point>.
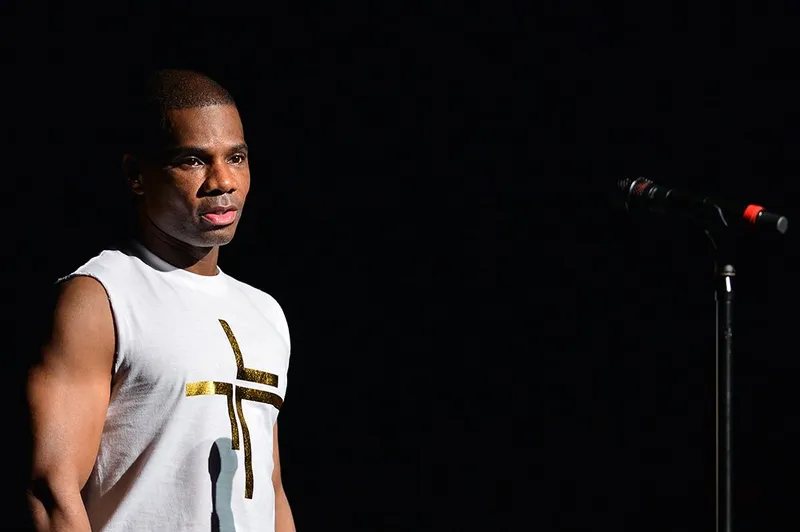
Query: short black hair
<point>165,90</point>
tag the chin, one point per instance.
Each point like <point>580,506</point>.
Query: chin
<point>220,241</point>
<point>212,239</point>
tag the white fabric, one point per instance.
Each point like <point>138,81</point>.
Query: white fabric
<point>161,445</point>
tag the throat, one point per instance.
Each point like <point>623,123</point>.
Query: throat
<point>194,259</point>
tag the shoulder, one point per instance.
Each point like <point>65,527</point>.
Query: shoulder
<point>82,297</point>
<point>261,298</point>
<point>81,312</point>
<point>81,290</point>
<point>74,299</point>
<point>107,261</point>
<point>110,276</point>
<point>265,303</point>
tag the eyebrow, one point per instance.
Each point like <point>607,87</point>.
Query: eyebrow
<point>199,151</point>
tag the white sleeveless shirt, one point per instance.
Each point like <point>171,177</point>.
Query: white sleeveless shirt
<point>199,378</point>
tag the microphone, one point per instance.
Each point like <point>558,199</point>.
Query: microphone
<point>643,195</point>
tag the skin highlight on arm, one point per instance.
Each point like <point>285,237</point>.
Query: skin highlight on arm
<point>284,520</point>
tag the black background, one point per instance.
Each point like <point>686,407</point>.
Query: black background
<point>480,342</point>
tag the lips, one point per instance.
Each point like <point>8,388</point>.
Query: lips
<point>220,216</point>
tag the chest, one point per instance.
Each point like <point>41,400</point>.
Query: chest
<point>177,341</point>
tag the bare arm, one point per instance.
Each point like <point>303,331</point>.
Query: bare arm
<point>68,393</point>
<point>284,521</point>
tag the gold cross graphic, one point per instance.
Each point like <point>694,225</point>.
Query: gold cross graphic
<point>238,394</point>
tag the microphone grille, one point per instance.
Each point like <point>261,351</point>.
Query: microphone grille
<point>635,187</point>
<point>627,189</point>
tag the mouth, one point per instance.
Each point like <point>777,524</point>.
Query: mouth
<point>220,216</point>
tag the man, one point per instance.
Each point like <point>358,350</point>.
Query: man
<point>154,405</point>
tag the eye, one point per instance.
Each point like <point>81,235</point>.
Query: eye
<point>238,158</point>
<point>191,162</point>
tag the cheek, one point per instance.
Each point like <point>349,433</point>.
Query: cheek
<point>170,202</point>
<point>244,184</point>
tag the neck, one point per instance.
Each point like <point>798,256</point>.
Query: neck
<point>197,260</point>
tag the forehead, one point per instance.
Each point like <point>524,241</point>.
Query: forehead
<point>208,126</point>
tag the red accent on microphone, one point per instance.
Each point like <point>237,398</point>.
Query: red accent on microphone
<point>751,213</point>
<point>640,187</point>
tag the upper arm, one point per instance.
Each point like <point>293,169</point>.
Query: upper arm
<point>68,389</point>
<point>276,460</point>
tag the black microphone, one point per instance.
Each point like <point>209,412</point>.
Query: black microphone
<point>643,195</point>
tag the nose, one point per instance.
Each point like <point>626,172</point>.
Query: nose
<point>220,180</point>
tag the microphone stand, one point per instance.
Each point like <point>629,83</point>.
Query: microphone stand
<point>724,282</point>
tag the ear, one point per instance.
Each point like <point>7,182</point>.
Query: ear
<point>131,169</point>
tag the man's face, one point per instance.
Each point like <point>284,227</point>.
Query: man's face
<point>194,191</point>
